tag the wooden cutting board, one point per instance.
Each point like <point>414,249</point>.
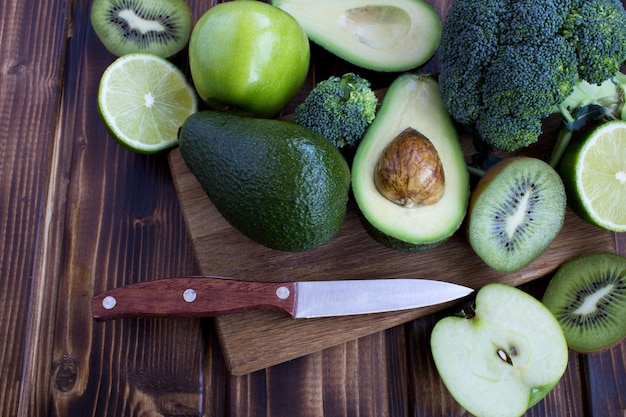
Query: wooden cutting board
<point>253,341</point>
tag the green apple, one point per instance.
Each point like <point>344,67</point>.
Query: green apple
<point>503,359</point>
<point>248,55</point>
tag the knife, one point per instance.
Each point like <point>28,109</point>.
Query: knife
<point>211,296</point>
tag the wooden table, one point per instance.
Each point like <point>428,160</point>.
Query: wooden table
<point>83,214</point>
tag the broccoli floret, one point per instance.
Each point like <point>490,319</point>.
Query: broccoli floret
<point>515,102</point>
<point>597,29</point>
<point>339,108</point>
<point>521,93</point>
<point>532,19</point>
<point>474,46</point>
<point>512,132</point>
<point>508,64</point>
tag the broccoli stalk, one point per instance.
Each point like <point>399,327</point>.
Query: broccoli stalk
<point>594,101</point>
<point>588,103</point>
<point>339,108</point>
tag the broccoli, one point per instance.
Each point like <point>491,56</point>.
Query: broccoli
<point>508,64</point>
<point>340,109</point>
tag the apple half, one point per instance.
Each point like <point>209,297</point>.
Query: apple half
<point>504,358</point>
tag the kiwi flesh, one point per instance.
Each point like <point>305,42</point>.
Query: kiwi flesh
<point>160,27</point>
<point>515,212</point>
<point>587,295</point>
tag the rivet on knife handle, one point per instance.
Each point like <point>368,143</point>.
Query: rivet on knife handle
<point>192,297</point>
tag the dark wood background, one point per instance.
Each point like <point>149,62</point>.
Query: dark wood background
<point>83,214</point>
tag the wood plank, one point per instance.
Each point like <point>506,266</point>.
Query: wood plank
<point>250,340</point>
<point>121,223</point>
<point>367,376</point>
<point>31,68</point>
<point>606,381</point>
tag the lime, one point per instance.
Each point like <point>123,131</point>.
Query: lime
<point>593,169</point>
<point>144,99</point>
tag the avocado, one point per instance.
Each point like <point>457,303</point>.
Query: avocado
<point>409,177</point>
<point>282,185</point>
<point>381,35</point>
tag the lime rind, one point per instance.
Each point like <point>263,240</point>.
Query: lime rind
<point>600,176</point>
<point>144,99</point>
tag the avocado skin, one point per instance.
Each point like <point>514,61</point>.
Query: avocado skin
<point>282,185</point>
<point>397,244</point>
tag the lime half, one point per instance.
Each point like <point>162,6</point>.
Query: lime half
<point>593,169</point>
<point>144,99</point>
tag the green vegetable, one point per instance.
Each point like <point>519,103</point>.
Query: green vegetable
<point>340,109</point>
<point>507,64</point>
<point>588,102</point>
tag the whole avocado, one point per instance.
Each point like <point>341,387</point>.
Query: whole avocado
<point>282,185</point>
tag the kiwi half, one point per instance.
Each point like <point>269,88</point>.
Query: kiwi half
<point>515,212</point>
<point>587,295</point>
<point>160,27</point>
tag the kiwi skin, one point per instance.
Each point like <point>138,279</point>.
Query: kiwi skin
<point>120,36</point>
<point>490,192</point>
<point>585,278</point>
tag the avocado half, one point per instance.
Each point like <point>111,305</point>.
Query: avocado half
<point>412,101</point>
<point>381,35</point>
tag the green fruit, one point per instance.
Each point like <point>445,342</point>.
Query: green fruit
<point>159,27</point>
<point>382,35</point>
<point>144,99</point>
<point>503,358</point>
<point>408,175</point>
<point>515,212</point>
<point>587,296</point>
<point>280,184</point>
<point>593,169</point>
<point>248,56</point>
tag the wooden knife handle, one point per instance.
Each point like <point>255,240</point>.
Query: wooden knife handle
<point>192,297</point>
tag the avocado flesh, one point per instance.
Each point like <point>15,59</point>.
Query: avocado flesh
<point>381,35</point>
<point>411,101</point>
<point>282,185</point>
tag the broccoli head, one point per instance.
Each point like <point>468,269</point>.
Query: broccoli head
<point>339,108</point>
<point>507,64</point>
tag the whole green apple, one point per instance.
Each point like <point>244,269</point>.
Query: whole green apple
<point>504,358</point>
<point>248,56</point>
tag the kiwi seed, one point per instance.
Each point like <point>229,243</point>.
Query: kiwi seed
<point>587,295</point>
<point>161,27</point>
<point>515,212</point>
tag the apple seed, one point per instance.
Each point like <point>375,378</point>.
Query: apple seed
<point>502,354</point>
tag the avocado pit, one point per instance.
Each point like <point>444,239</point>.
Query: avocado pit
<point>409,171</point>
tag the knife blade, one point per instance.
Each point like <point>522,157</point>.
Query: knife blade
<point>211,296</point>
